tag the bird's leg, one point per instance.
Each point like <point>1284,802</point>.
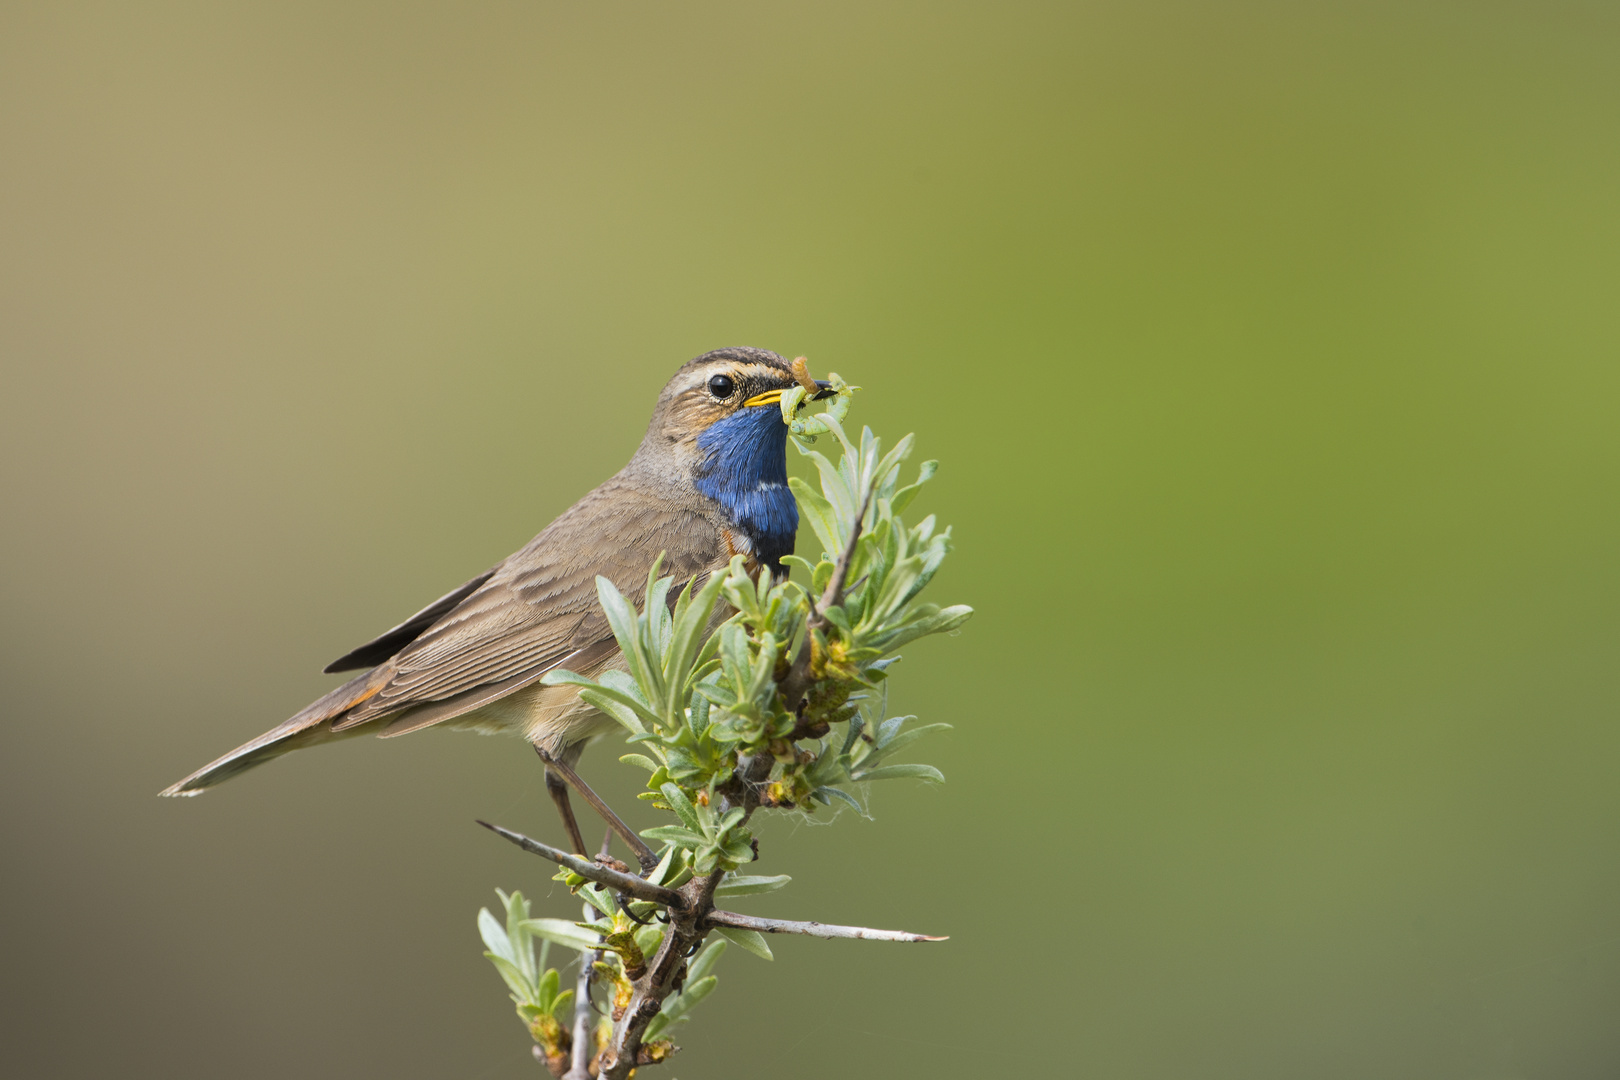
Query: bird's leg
<point>559,795</point>
<point>555,767</point>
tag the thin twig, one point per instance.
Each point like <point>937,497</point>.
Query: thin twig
<point>810,929</point>
<point>640,888</point>
<point>644,854</point>
<point>579,1062</point>
<point>579,1058</point>
<point>797,679</point>
<point>835,586</point>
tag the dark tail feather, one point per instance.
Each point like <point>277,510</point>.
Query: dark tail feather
<point>309,726</point>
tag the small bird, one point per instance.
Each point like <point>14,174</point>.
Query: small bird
<point>708,482</point>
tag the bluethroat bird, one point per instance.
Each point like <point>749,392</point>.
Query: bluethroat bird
<point>708,482</point>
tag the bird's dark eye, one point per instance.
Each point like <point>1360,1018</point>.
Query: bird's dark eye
<point>721,387</point>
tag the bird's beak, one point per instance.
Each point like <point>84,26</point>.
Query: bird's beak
<point>774,397</point>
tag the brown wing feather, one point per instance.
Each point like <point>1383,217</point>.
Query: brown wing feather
<point>306,725</point>
<point>390,641</point>
<point>504,630</point>
<point>540,606</point>
<point>584,660</point>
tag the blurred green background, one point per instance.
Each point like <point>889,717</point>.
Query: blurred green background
<point>1271,352</point>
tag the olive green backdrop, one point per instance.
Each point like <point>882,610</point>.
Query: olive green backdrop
<point>1270,350</point>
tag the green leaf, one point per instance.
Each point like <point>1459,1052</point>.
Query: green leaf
<point>547,997</point>
<point>494,935</point>
<point>682,806</point>
<point>656,1027</point>
<point>686,641</point>
<point>749,940</point>
<point>748,885</point>
<point>936,623</point>
<point>829,793</point>
<point>802,563</point>
<point>678,1005</point>
<point>819,513</point>
<point>622,618</point>
<point>562,932</point>
<point>599,898</point>
<point>661,871</point>
<point>641,759</point>
<point>884,473</point>
<point>615,701</point>
<point>889,746</point>
<point>517,909</point>
<point>902,498</point>
<point>675,834</point>
<point>897,772</point>
<point>711,954</point>
<point>697,720</point>
<point>521,988</point>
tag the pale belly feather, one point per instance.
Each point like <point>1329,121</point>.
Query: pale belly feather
<point>551,717</point>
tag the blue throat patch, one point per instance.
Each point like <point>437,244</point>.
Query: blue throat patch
<point>745,470</point>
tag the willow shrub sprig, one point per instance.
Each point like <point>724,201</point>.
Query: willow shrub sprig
<point>781,707</point>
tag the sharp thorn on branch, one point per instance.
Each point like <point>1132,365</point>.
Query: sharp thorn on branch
<point>640,888</point>
<point>811,929</point>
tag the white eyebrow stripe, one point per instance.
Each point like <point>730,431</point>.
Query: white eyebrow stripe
<point>733,368</point>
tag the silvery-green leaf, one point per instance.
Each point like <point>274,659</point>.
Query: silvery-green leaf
<point>897,772</point>
<point>655,1027</point>
<point>711,954</point>
<point>801,562</point>
<point>599,898</point>
<point>834,614</point>
<point>686,641</point>
<point>623,620</point>
<point>856,724</point>
<point>748,940</point>
<point>562,932</point>
<point>675,834</point>
<point>905,737</point>
<point>661,871</point>
<point>517,909</point>
<point>902,498</point>
<point>494,935</point>
<point>682,806</point>
<point>512,976</point>
<point>819,513</point>
<point>748,885</point>
<point>547,997</point>
<point>829,792</point>
<point>614,706</point>
<point>678,1005</point>
<point>936,623</point>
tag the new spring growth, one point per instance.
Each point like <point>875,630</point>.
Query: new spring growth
<point>806,428</point>
<point>782,707</point>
